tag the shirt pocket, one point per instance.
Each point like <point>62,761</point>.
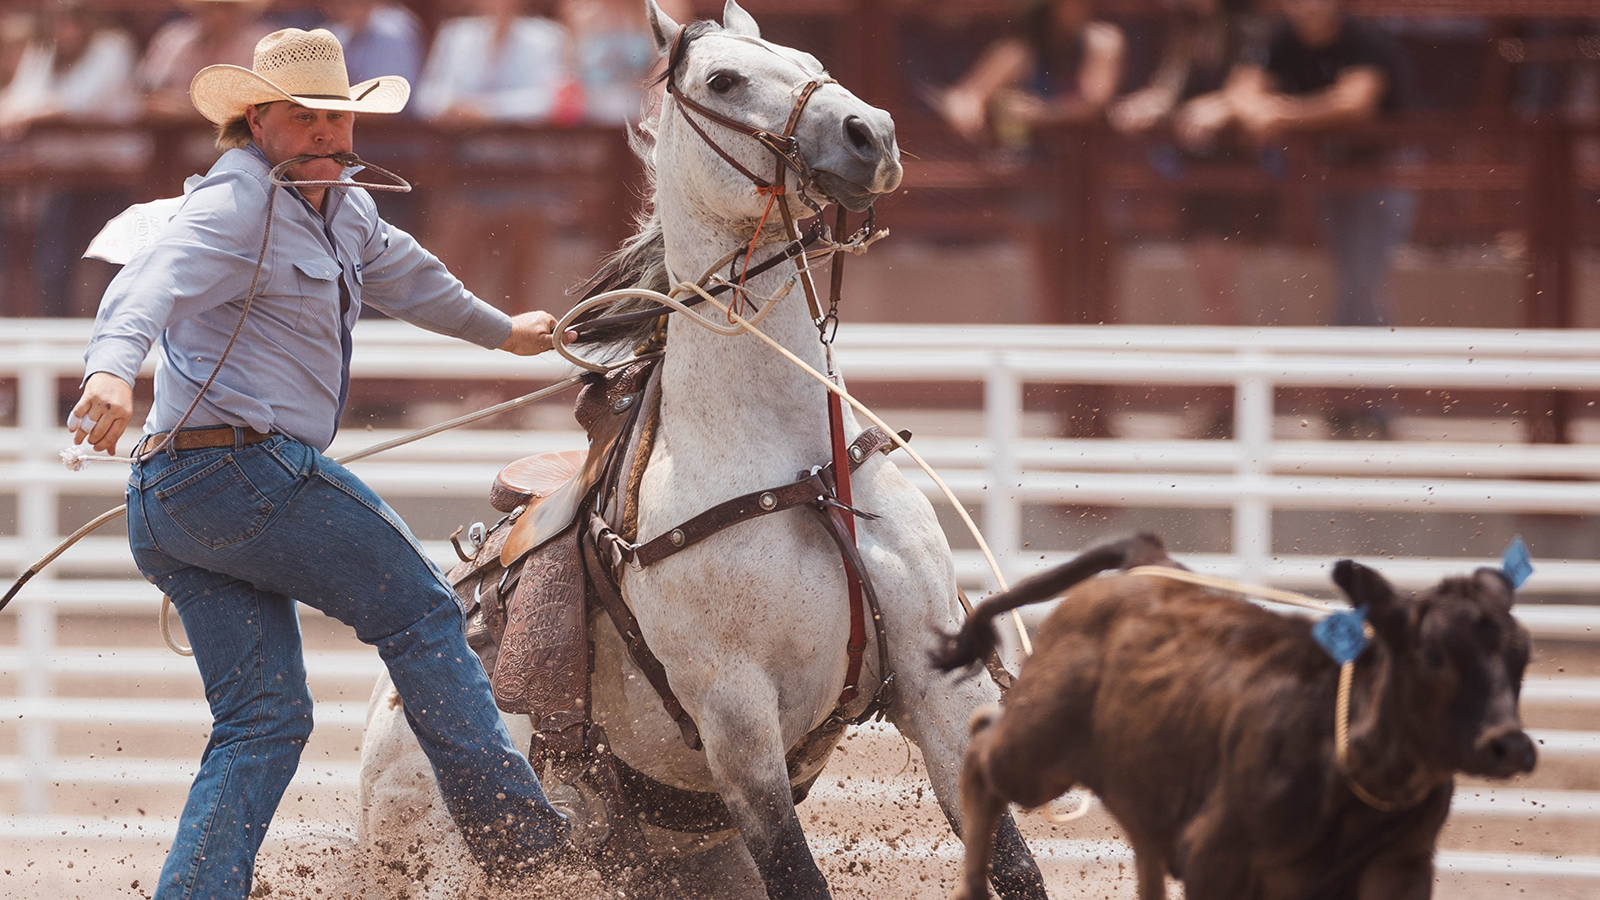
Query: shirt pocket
<point>319,295</point>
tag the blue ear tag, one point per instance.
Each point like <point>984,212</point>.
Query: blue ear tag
<point>1342,634</point>
<point>1516,563</point>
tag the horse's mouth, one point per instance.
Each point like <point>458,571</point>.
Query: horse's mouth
<point>849,194</point>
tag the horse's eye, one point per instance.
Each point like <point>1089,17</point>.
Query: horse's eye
<point>722,82</point>
<point>1433,657</point>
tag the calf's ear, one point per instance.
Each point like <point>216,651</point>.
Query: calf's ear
<point>1494,587</point>
<point>1365,587</point>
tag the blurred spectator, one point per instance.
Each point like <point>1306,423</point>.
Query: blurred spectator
<point>1323,69</point>
<point>1059,66</point>
<point>76,70</point>
<point>16,32</point>
<point>213,31</point>
<point>1205,40</point>
<point>379,38</point>
<point>613,54</point>
<point>499,65</point>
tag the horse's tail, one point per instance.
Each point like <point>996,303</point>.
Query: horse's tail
<point>977,638</point>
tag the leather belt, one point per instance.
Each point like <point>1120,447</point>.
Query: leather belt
<point>209,438</point>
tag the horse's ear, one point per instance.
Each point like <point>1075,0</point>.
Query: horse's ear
<point>736,20</point>
<point>662,28</point>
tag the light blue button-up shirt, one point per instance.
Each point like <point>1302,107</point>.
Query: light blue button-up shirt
<point>289,371</point>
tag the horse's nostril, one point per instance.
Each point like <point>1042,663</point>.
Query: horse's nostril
<point>858,134</point>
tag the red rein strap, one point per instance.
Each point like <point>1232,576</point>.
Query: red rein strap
<point>858,617</point>
<point>772,192</point>
<point>841,479</point>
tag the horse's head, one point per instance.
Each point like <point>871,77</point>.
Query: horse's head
<point>730,78</point>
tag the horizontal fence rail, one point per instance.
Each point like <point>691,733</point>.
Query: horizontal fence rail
<point>997,464</point>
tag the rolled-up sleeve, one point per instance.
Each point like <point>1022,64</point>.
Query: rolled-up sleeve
<point>407,282</point>
<point>202,260</point>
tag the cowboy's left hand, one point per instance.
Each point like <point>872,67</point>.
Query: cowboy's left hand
<point>530,334</point>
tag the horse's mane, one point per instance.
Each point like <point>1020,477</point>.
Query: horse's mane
<point>641,261</point>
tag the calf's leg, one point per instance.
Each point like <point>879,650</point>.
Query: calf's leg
<point>1152,871</point>
<point>982,809</point>
<point>933,715</point>
<point>1214,861</point>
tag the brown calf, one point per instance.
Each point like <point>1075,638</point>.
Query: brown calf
<point>1205,724</point>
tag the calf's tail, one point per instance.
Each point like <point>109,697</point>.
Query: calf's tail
<point>977,638</point>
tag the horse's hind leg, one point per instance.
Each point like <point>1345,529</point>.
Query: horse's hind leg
<point>744,749</point>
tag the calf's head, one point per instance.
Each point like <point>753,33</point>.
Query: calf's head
<point>1457,658</point>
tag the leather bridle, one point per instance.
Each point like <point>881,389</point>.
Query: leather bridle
<point>785,150</point>
<point>782,145</point>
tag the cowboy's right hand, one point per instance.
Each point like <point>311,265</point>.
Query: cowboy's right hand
<point>103,412</point>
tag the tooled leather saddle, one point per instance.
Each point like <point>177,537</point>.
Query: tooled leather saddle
<point>529,584</point>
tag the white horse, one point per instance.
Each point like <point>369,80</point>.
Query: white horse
<point>752,623</point>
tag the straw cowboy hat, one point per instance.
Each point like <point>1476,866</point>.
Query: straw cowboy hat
<point>304,67</point>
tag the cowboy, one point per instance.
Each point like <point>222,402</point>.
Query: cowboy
<point>238,514</point>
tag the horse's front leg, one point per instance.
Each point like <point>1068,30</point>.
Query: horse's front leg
<point>745,751</point>
<point>933,710</point>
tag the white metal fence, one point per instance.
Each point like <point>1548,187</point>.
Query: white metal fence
<point>997,466</point>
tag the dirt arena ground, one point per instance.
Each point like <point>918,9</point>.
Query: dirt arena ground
<point>874,827</point>
<point>872,820</point>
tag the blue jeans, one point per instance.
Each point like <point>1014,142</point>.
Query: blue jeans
<point>235,536</point>
<point>1363,228</point>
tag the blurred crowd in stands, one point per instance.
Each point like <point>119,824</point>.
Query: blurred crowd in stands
<point>1204,80</point>
<point>1231,83</point>
<point>502,61</point>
